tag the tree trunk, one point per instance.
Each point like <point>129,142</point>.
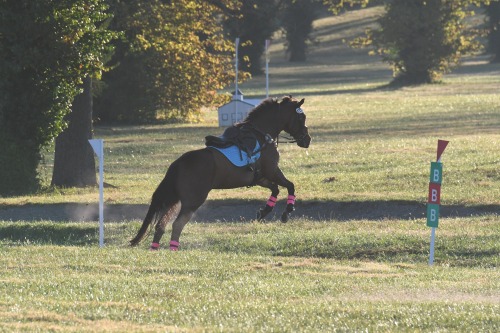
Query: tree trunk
<point>74,164</point>
<point>494,33</point>
<point>298,24</point>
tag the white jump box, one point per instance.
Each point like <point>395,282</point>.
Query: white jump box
<point>236,110</point>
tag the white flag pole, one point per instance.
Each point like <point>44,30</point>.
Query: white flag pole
<point>98,146</point>
<point>236,67</point>
<point>267,66</point>
<point>236,94</point>
<point>431,252</point>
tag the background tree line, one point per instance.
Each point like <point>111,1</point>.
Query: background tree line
<point>67,62</point>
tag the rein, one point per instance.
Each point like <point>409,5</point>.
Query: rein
<point>267,138</point>
<point>289,140</point>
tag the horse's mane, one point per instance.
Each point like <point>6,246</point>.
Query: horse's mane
<point>264,106</point>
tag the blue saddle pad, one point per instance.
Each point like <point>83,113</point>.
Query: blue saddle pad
<point>242,159</point>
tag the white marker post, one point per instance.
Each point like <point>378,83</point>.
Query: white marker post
<point>237,43</point>
<point>434,199</point>
<point>98,146</point>
<point>236,94</point>
<point>268,43</point>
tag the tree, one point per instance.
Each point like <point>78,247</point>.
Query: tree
<point>256,21</point>
<point>493,11</point>
<point>172,59</point>
<point>422,39</point>
<point>46,48</point>
<point>297,21</point>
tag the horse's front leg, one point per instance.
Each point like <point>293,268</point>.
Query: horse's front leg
<point>271,202</point>
<point>290,203</point>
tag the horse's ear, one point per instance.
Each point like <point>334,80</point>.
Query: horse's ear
<point>285,99</point>
<point>301,102</point>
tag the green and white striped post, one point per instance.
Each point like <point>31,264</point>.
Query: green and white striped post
<point>434,199</point>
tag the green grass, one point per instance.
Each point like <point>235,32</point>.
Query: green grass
<point>371,148</point>
<point>319,276</point>
<point>252,277</point>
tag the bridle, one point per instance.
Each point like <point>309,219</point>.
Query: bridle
<point>288,139</point>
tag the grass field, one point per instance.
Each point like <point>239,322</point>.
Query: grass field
<point>371,150</point>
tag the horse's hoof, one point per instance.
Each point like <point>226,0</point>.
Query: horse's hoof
<point>262,213</point>
<point>284,217</point>
<point>153,249</point>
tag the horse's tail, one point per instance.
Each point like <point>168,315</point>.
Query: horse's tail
<point>163,202</point>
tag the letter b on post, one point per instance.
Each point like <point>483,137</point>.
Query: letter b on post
<point>436,172</point>
<point>432,215</point>
<point>434,193</point>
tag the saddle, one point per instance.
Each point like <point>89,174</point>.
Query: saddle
<point>241,137</point>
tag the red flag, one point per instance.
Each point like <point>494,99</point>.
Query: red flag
<point>441,147</point>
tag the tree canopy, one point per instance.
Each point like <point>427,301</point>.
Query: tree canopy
<point>47,48</point>
<point>172,59</point>
<point>255,21</point>
<point>422,39</point>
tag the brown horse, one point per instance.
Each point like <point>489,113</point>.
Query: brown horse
<point>192,176</point>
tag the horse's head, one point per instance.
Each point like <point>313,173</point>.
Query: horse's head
<point>295,125</point>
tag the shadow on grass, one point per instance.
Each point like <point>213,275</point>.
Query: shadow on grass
<point>49,233</point>
<point>234,210</point>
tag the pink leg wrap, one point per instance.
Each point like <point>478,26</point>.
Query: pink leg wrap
<point>155,246</point>
<point>271,202</point>
<point>174,246</point>
<point>291,200</point>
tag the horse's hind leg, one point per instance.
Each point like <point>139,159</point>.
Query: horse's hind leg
<point>160,229</point>
<point>271,202</point>
<point>180,222</point>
